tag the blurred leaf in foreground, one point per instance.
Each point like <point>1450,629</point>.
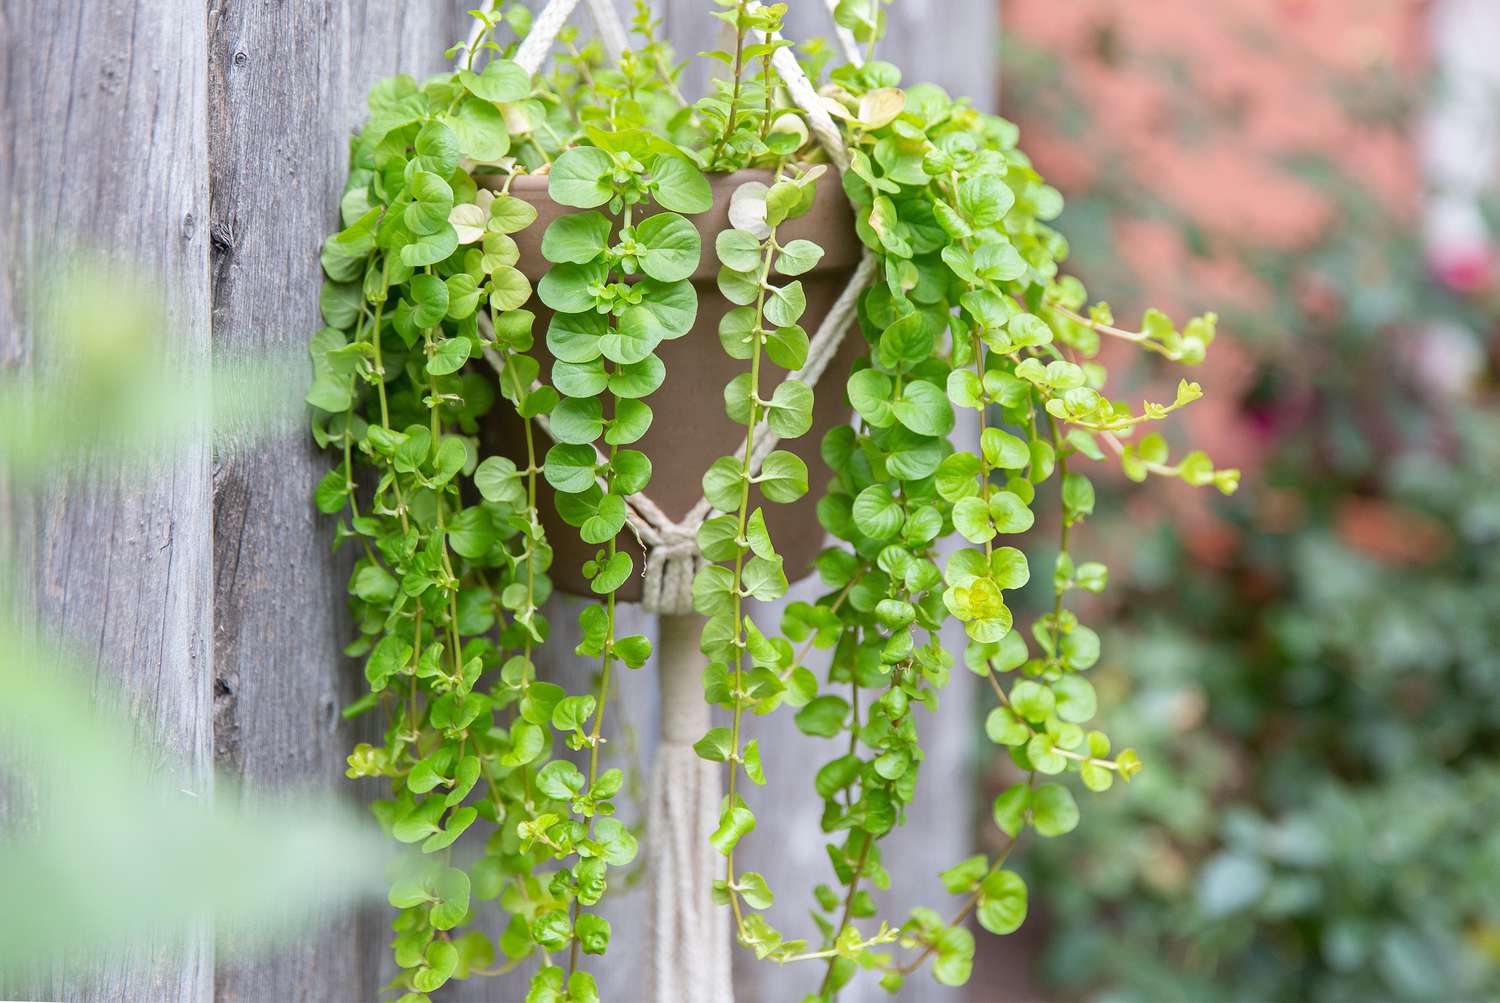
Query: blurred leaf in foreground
<point>109,852</point>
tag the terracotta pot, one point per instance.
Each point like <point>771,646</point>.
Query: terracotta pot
<point>690,429</point>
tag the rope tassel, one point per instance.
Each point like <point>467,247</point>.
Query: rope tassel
<point>687,935</point>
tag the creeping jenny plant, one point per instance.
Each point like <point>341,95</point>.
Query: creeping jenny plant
<point>967,323</point>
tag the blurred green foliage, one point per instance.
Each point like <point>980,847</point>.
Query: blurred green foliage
<point>107,840</point>
<point>1320,714</point>
<point>1321,728</point>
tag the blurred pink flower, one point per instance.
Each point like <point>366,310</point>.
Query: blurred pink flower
<point>1466,268</point>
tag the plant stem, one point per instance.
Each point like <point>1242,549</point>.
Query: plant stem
<point>734,94</point>
<point>739,558</point>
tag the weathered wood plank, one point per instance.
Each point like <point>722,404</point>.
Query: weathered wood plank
<point>102,122</point>
<point>287,86</point>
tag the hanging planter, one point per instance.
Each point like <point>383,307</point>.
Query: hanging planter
<point>690,427</point>
<point>581,330</point>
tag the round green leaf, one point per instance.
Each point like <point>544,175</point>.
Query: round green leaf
<point>480,129</point>
<point>671,246</point>
<point>571,468</point>
<point>924,409</point>
<point>576,238</point>
<point>678,185</point>
<point>1002,902</point>
<point>783,477</point>
<point>1076,702</point>
<point>501,80</point>
<point>574,337</point>
<point>876,513</point>
<point>1053,810</point>
<point>581,177</point>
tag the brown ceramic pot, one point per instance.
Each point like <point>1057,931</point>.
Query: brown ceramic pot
<point>690,429</point>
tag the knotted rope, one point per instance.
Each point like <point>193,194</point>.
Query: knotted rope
<point>687,935</point>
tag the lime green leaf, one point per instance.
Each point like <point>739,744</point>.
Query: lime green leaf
<point>574,337</point>
<point>438,964</point>
<point>480,129</point>
<point>614,573</point>
<point>452,891</point>
<point>798,256</point>
<point>1010,809</point>
<point>955,956</point>
<point>678,185</point>
<point>501,80</point>
<point>715,746</point>
<point>738,250</point>
<point>1076,701</point>
<point>509,289</point>
<point>581,177</point>
<point>1004,728</point>
<point>448,356</point>
<point>754,890</point>
<point>876,513</point>
<point>497,480</point>
<point>722,482</point>
<point>789,411</point>
<point>824,716</point>
<point>1053,810</point>
<point>1032,700</point>
<point>430,294</point>
<point>783,477</point>
<point>632,419</point>
<point>593,935</point>
<point>924,409</point>
<point>965,876</point>
<point>1009,512</point>
<point>787,347</point>
<point>672,246</point>
<point>870,393</point>
<point>509,214</point>
<point>1002,902</point>
<point>971,517</point>
<point>784,304</point>
<point>577,238</point>
<point>734,824</point>
<point>577,421</point>
<point>432,201</point>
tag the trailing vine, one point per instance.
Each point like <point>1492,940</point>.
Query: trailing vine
<point>426,306</point>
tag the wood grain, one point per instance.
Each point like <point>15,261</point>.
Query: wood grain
<point>287,85</point>
<point>104,117</point>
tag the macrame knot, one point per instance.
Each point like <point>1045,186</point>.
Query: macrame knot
<point>671,564</point>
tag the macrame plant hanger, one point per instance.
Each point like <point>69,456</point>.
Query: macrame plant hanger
<point>688,936</point>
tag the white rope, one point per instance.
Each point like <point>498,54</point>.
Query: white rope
<point>544,29</point>
<point>808,99</point>
<point>844,35</point>
<point>611,29</point>
<point>688,935</point>
<point>824,346</point>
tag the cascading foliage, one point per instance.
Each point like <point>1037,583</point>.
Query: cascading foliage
<point>969,327</point>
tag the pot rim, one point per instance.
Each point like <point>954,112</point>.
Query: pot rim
<point>829,224</point>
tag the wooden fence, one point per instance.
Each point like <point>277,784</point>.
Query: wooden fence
<point>207,143</point>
